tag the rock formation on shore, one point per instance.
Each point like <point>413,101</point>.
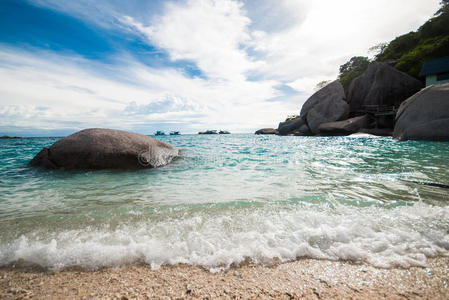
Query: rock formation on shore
<point>370,105</point>
<point>98,148</point>
<point>381,85</point>
<point>326,105</point>
<point>345,127</point>
<point>297,125</point>
<point>425,115</point>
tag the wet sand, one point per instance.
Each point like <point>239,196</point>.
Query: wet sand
<point>305,278</point>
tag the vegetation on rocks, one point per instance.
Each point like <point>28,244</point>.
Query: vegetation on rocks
<point>408,52</point>
<point>352,69</point>
<point>411,50</point>
<point>291,117</point>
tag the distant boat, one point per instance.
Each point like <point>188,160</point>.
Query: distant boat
<point>175,133</point>
<point>208,132</point>
<point>159,133</point>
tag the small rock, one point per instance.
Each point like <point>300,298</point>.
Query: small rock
<point>266,131</point>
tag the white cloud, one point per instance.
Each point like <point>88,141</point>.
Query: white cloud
<point>209,32</point>
<point>330,33</point>
<point>50,92</point>
<point>308,43</point>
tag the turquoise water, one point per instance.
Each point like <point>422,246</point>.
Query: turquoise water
<point>228,199</point>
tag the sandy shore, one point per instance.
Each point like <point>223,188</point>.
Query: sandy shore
<point>311,279</point>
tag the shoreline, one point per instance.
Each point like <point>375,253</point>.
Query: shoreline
<point>303,278</point>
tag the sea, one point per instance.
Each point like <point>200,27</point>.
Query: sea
<point>229,200</point>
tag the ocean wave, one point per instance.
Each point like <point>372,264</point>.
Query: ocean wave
<point>404,236</point>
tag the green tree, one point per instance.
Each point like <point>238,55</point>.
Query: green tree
<point>378,49</point>
<point>352,69</point>
<point>322,84</point>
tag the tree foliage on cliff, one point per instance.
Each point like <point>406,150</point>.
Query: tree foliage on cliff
<point>408,51</point>
<point>411,50</point>
<point>352,69</point>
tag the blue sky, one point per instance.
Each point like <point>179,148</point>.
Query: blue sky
<point>185,65</point>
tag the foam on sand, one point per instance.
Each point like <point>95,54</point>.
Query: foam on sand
<point>404,236</point>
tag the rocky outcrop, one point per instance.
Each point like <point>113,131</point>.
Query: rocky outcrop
<point>382,85</point>
<point>425,115</point>
<point>304,130</point>
<point>266,131</point>
<point>224,132</point>
<point>326,105</point>
<point>99,148</point>
<point>345,127</point>
<point>289,126</point>
<point>378,93</point>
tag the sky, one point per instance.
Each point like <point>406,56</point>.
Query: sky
<point>186,65</point>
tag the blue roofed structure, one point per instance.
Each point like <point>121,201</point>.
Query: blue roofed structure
<point>436,70</point>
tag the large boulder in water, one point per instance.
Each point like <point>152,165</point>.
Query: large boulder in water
<point>326,105</point>
<point>381,85</point>
<point>345,127</point>
<point>425,115</point>
<point>98,148</point>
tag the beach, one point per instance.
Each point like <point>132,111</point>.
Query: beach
<point>304,278</point>
<point>232,149</point>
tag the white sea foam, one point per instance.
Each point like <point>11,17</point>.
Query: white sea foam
<point>403,236</point>
<point>363,135</point>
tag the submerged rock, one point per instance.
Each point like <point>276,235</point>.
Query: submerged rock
<point>381,85</point>
<point>345,127</point>
<point>98,148</point>
<point>326,105</point>
<point>425,115</point>
<point>266,131</point>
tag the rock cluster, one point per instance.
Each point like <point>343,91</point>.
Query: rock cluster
<point>370,106</point>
